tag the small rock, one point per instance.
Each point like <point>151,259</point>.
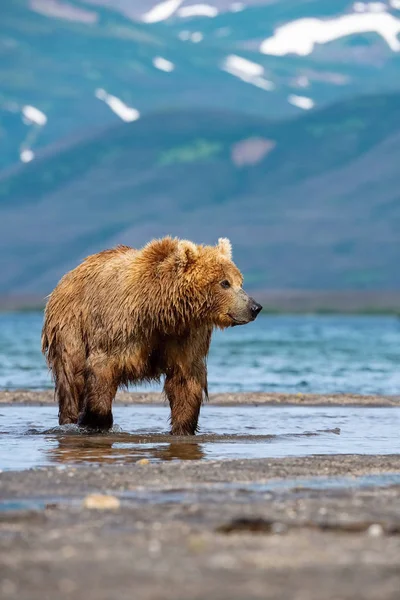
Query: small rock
<point>375,530</point>
<point>101,502</point>
<point>154,547</point>
<point>143,461</point>
<point>279,528</point>
<point>197,543</point>
<point>223,561</point>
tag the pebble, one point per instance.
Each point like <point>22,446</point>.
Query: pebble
<point>101,502</point>
<point>375,530</point>
<point>197,543</point>
<point>154,547</point>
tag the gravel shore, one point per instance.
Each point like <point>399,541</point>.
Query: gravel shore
<point>229,530</point>
<point>41,398</point>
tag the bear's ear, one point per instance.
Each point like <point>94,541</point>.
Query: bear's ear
<point>187,253</point>
<point>225,247</point>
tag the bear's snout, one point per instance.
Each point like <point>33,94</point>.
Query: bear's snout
<point>246,309</point>
<point>255,308</point>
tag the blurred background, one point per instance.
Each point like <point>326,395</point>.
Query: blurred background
<point>275,123</point>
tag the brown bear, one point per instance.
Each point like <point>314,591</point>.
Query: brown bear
<point>124,316</point>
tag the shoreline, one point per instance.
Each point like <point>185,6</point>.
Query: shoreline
<point>254,528</point>
<point>46,398</point>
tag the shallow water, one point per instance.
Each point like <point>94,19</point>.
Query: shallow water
<point>30,437</point>
<point>321,354</point>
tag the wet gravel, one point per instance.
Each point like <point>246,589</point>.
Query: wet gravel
<point>217,529</point>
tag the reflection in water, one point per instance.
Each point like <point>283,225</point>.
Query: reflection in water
<point>29,439</point>
<point>110,450</point>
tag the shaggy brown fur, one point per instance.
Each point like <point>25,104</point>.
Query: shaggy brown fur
<point>124,316</point>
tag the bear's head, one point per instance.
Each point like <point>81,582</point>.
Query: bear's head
<point>200,283</point>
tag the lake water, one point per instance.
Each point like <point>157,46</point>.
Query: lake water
<point>275,353</point>
<point>30,436</point>
<point>321,354</point>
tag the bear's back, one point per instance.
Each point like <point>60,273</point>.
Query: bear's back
<point>95,289</point>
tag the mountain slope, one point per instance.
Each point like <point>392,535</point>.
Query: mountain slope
<point>73,61</point>
<point>311,203</point>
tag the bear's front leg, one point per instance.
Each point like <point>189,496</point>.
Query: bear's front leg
<point>184,389</point>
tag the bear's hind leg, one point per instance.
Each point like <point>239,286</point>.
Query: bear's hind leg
<point>100,389</point>
<point>185,394</point>
<point>68,403</point>
<point>69,387</point>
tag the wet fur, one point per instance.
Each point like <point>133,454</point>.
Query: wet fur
<point>125,316</point>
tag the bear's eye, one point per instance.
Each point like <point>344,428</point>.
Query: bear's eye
<point>225,284</point>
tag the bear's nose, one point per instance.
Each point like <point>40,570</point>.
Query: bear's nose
<point>255,309</point>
